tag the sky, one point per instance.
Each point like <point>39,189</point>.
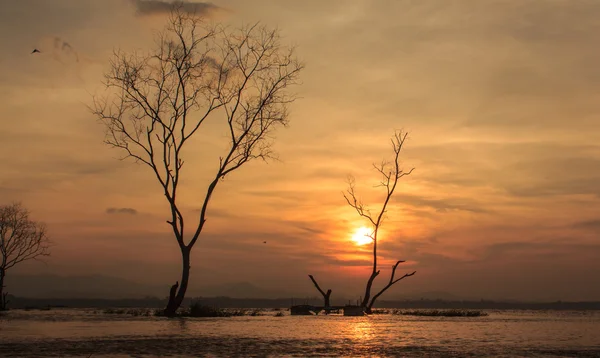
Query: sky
<point>500,99</point>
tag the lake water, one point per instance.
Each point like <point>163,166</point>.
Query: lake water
<point>81,333</point>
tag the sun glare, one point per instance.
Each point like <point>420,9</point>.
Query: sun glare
<point>361,236</point>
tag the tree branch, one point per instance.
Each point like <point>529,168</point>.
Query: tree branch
<point>391,282</point>
<point>317,285</point>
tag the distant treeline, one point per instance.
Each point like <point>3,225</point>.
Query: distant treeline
<point>228,302</point>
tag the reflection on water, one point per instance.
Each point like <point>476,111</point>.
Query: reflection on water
<point>181,324</point>
<point>503,333</point>
<point>362,330</point>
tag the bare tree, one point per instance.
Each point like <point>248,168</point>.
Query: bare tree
<point>21,239</point>
<point>195,74</point>
<point>391,173</point>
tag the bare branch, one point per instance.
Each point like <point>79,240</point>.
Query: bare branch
<point>316,284</point>
<point>356,203</point>
<point>391,282</point>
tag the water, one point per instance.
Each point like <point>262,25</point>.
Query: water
<point>81,333</point>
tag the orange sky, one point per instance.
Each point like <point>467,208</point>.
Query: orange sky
<point>501,99</point>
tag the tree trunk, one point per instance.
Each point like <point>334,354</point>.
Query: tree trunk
<point>3,302</point>
<point>369,308</point>
<point>365,301</point>
<point>176,300</point>
<point>326,297</point>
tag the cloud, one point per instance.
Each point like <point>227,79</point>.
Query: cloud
<point>121,211</point>
<point>592,225</point>
<point>526,169</point>
<point>55,171</point>
<point>547,249</point>
<point>285,195</point>
<point>309,229</point>
<point>441,205</point>
<point>572,174</point>
<point>158,7</point>
<point>345,263</point>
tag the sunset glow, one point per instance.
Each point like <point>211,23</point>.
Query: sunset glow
<point>361,236</point>
<point>318,178</point>
<point>500,101</point>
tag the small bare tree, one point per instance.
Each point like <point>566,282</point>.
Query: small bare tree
<point>391,173</point>
<point>197,73</point>
<point>326,295</point>
<point>21,239</point>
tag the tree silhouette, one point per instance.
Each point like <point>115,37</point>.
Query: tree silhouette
<point>197,74</point>
<point>21,239</point>
<point>326,295</point>
<point>390,173</point>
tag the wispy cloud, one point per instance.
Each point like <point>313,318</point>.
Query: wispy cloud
<point>442,205</point>
<point>591,225</point>
<point>158,7</point>
<point>129,211</point>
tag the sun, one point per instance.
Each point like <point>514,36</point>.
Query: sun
<point>361,236</point>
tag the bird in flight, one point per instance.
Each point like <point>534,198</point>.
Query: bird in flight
<point>35,50</point>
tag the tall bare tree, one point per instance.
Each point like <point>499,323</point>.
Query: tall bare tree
<point>390,173</point>
<point>197,73</point>
<point>21,239</point>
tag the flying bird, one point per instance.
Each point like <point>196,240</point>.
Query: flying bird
<point>35,50</point>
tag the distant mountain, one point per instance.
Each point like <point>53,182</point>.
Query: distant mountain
<point>93,286</point>
<point>107,287</point>
<point>238,290</point>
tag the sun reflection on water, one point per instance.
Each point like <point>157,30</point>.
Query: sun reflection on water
<point>363,334</point>
<point>362,330</point>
